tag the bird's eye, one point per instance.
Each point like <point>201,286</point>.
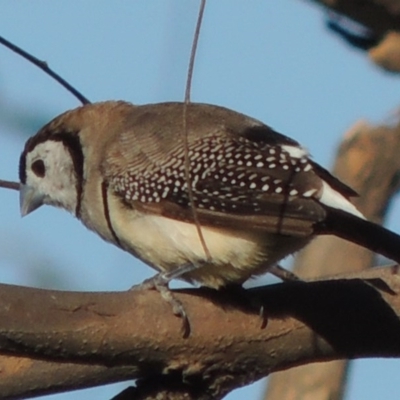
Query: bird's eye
<point>38,168</point>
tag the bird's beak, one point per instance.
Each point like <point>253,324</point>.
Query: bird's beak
<point>29,199</point>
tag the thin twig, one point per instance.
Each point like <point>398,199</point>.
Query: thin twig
<point>44,67</point>
<point>9,185</point>
<point>185,129</point>
<point>193,52</point>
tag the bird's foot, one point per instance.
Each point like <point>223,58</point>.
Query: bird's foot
<point>160,283</point>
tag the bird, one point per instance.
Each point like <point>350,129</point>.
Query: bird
<point>256,195</point>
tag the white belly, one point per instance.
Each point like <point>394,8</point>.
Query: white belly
<point>166,244</point>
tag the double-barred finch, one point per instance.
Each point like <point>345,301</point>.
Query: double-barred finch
<point>120,169</point>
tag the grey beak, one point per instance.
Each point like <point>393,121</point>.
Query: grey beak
<point>29,199</point>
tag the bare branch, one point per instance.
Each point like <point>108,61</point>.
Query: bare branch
<point>9,185</point>
<point>193,52</point>
<point>96,338</point>
<point>380,16</point>
<point>44,67</point>
<point>382,20</point>
<point>185,129</point>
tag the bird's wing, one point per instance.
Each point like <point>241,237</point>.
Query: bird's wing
<point>251,179</point>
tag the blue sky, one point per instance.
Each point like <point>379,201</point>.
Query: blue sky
<point>272,60</point>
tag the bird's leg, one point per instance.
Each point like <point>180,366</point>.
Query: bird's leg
<point>160,283</point>
<point>283,274</point>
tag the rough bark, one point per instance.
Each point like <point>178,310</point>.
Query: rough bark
<point>52,341</point>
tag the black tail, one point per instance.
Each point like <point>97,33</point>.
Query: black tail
<point>362,232</point>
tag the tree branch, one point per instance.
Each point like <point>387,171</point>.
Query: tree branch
<point>382,18</point>
<point>74,340</point>
<point>9,185</point>
<point>44,67</point>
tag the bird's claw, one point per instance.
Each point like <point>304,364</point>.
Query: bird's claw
<point>160,283</point>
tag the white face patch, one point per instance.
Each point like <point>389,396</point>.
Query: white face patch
<point>56,180</point>
<point>295,151</point>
